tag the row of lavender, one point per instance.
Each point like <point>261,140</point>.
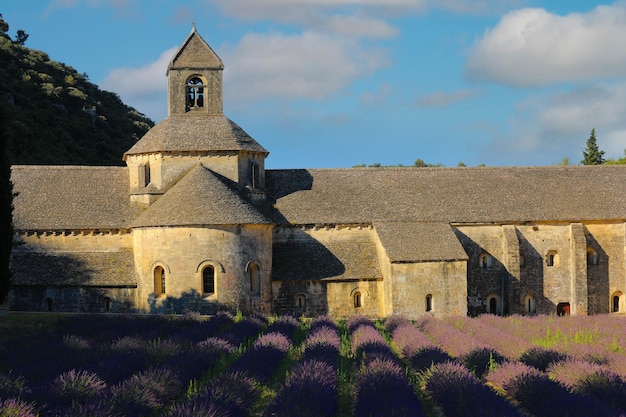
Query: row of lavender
<point>102,366</point>
<point>575,377</point>
<point>227,367</point>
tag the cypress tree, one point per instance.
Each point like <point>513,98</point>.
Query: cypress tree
<point>6,212</point>
<point>592,155</point>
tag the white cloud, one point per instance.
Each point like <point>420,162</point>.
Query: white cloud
<point>444,99</point>
<point>357,18</point>
<point>307,66</point>
<point>531,47</point>
<point>552,126</point>
<point>144,88</point>
<point>310,66</point>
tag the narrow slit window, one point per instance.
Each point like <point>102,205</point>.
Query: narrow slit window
<point>208,280</point>
<point>159,281</point>
<point>358,301</point>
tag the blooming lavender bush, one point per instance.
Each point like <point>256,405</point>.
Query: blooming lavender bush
<point>481,360</point>
<point>606,386</point>
<point>541,358</point>
<point>14,407</point>
<point>231,394</point>
<point>409,339</point>
<point>243,330</point>
<point>74,385</point>
<point>393,322</point>
<point>542,396</point>
<point>459,393</point>
<point>451,339</point>
<point>12,385</point>
<point>357,321</point>
<point>147,391</point>
<point>286,325</point>
<point>368,344</point>
<point>262,358</point>
<point>382,389</point>
<point>428,356</point>
<point>309,391</point>
<point>323,344</point>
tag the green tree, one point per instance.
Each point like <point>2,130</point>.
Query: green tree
<point>420,163</point>
<point>592,155</point>
<point>4,28</point>
<point>20,37</point>
<point>6,213</point>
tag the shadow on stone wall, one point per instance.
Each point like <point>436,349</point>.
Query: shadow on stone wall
<point>189,301</point>
<point>532,279</point>
<point>597,278</point>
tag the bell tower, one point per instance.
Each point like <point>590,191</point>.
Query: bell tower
<point>194,78</point>
<point>196,131</point>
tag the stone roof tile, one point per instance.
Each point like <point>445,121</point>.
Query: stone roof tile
<point>201,197</point>
<point>195,133</point>
<point>448,195</point>
<point>71,197</point>
<point>73,268</point>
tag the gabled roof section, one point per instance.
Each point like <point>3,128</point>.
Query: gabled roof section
<point>420,242</point>
<point>448,195</point>
<point>195,52</point>
<point>200,198</point>
<point>71,197</point>
<point>195,133</point>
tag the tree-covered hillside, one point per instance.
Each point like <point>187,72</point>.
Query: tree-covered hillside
<point>54,115</point>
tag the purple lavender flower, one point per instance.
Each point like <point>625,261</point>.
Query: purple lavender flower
<point>309,391</point>
<point>12,385</point>
<point>232,392</point>
<point>382,389</point>
<point>76,385</point>
<point>481,360</point>
<point>541,358</point>
<point>459,393</point>
<point>409,339</point>
<point>14,407</point>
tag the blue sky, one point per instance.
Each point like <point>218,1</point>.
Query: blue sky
<point>335,83</point>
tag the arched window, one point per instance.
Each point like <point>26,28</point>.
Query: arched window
<point>301,302</point>
<point>358,300</point>
<point>494,304</point>
<point>49,304</point>
<point>530,305</point>
<point>255,279</point>
<point>208,280</point>
<point>616,302</point>
<point>486,260</point>
<point>592,256</point>
<point>429,302</point>
<point>159,281</point>
<point>195,93</point>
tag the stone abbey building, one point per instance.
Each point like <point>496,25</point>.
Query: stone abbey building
<point>194,221</point>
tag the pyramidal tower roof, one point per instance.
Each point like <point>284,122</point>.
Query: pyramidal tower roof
<point>195,121</point>
<point>195,52</point>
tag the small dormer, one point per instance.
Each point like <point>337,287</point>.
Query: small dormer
<point>194,78</point>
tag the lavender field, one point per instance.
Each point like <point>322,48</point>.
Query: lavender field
<point>228,365</point>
